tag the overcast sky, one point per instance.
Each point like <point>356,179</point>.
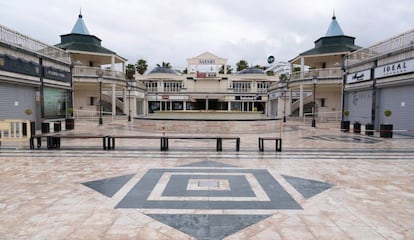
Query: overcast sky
<point>174,30</point>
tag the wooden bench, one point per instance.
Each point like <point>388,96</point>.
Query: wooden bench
<point>113,137</point>
<point>53,139</point>
<point>278,143</point>
<point>219,141</point>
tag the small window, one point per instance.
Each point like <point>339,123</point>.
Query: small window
<point>91,101</point>
<point>323,102</point>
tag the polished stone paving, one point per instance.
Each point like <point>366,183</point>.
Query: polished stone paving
<point>326,184</point>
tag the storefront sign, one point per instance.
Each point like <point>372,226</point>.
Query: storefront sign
<point>207,61</point>
<point>358,76</point>
<point>394,69</point>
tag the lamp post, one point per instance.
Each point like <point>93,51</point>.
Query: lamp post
<point>100,79</point>
<point>129,100</point>
<point>314,81</point>
<point>284,102</point>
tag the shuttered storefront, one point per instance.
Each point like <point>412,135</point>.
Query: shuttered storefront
<point>400,100</point>
<point>14,99</point>
<point>359,104</point>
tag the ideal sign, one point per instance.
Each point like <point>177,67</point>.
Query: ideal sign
<point>394,69</point>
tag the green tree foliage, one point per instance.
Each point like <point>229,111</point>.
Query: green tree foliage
<point>165,65</point>
<point>185,71</point>
<point>283,77</point>
<point>242,64</point>
<point>296,69</point>
<point>141,66</point>
<point>229,69</point>
<point>130,71</point>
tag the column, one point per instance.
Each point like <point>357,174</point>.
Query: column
<point>185,105</point>
<point>206,103</point>
<point>302,67</point>
<point>228,106</point>
<point>125,93</point>
<point>113,62</point>
<point>113,99</point>
<point>301,101</point>
<point>289,103</point>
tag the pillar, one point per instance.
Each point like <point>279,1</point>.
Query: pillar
<point>302,67</point>
<point>185,105</point>
<point>228,106</point>
<point>113,99</point>
<point>301,101</point>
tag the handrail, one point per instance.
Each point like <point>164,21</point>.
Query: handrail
<point>336,115</point>
<point>20,40</point>
<point>93,114</point>
<point>95,71</point>
<point>335,72</point>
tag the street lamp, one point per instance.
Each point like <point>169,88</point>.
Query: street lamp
<point>314,81</point>
<point>100,79</point>
<point>129,100</point>
<point>284,102</point>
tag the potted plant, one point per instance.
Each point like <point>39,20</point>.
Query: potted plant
<point>369,129</point>
<point>29,112</point>
<point>345,123</point>
<point>386,128</point>
<point>69,121</point>
<point>357,127</point>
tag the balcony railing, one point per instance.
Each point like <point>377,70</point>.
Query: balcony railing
<point>391,45</point>
<point>209,90</point>
<point>20,40</point>
<point>80,71</point>
<point>320,73</point>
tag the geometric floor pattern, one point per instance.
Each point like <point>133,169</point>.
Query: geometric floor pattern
<point>342,138</point>
<point>208,185</point>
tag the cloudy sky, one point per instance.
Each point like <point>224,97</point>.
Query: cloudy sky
<point>174,30</point>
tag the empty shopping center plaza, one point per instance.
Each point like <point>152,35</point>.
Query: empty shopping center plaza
<point>319,147</point>
<point>324,184</point>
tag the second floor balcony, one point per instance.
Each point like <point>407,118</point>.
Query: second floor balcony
<point>82,71</point>
<point>321,73</point>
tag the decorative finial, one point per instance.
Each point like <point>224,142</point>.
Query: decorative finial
<point>80,12</point>
<point>333,16</point>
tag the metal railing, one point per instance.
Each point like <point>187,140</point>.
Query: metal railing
<point>323,116</point>
<point>81,71</point>
<point>320,73</point>
<point>20,40</point>
<point>90,114</point>
<point>393,44</point>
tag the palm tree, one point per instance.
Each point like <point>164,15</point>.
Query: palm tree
<point>141,66</point>
<point>164,65</point>
<point>242,64</point>
<point>229,69</point>
<point>130,71</point>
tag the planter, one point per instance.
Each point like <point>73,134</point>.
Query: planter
<point>57,126</point>
<point>69,124</point>
<point>45,127</point>
<point>386,130</point>
<point>345,125</point>
<point>357,127</point>
<point>369,129</point>
<point>32,128</point>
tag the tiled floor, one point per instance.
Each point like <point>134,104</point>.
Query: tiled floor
<point>324,185</point>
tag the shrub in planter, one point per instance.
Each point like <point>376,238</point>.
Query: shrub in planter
<point>29,112</point>
<point>369,129</point>
<point>70,121</point>
<point>357,127</point>
<point>386,129</point>
<point>345,124</point>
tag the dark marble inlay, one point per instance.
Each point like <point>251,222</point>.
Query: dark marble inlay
<point>308,188</point>
<point>207,163</point>
<point>279,198</point>
<point>205,226</point>
<point>343,138</point>
<point>239,186</point>
<point>109,186</point>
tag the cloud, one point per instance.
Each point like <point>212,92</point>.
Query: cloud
<point>174,30</point>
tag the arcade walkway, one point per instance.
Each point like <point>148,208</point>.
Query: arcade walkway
<point>324,185</point>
